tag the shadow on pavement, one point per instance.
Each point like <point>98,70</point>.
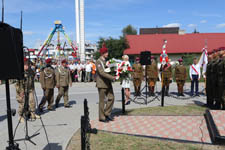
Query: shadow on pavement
<point>2,118</point>
<point>198,103</point>
<point>53,146</point>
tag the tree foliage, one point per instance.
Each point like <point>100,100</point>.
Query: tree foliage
<point>129,30</point>
<point>115,46</point>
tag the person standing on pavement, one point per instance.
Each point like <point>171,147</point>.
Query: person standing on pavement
<point>152,76</point>
<point>195,76</point>
<point>104,85</point>
<point>63,81</point>
<point>47,80</point>
<point>138,76</point>
<point>83,73</point>
<point>180,76</point>
<point>79,70</point>
<point>88,71</point>
<point>24,86</point>
<point>166,75</point>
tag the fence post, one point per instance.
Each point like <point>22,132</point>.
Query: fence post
<point>123,101</point>
<point>83,132</point>
<point>163,93</point>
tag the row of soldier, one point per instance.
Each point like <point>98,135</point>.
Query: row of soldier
<point>166,75</point>
<point>215,79</point>
<point>49,79</point>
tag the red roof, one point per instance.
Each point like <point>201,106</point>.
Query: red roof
<point>187,43</point>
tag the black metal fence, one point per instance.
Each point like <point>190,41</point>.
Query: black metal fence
<point>86,129</point>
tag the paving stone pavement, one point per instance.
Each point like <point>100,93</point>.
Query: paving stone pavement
<point>219,119</point>
<point>63,123</point>
<point>180,128</point>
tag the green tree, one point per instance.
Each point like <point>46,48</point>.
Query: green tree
<point>115,46</point>
<point>129,30</point>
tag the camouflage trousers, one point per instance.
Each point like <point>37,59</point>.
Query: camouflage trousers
<point>21,101</point>
<point>63,91</point>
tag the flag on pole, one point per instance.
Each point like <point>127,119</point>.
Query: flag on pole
<point>203,61</point>
<point>164,57</point>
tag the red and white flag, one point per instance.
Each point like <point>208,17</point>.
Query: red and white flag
<point>164,57</point>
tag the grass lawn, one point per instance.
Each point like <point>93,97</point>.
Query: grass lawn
<point>169,110</point>
<point>110,141</point>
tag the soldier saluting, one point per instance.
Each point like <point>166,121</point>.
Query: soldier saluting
<point>104,85</point>
<point>180,75</point>
<point>63,81</point>
<point>47,80</point>
<point>137,76</point>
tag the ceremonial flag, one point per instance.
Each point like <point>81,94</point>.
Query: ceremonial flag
<point>203,61</point>
<point>164,57</point>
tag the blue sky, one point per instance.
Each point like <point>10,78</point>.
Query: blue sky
<point>104,18</point>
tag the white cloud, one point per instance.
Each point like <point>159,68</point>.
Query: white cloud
<point>170,11</point>
<point>192,25</point>
<point>203,21</point>
<point>222,25</point>
<point>172,25</point>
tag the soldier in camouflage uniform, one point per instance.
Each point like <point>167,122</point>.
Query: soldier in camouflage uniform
<point>166,73</point>
<point>21,89</point>
<point>180,76</point>
<point>47,80</point>
<point>63,81</point>
<point>152,76</point>
<point>137,76</point>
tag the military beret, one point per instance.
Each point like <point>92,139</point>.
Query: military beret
<point>221,48</point>
<point>47,61</point>
<point>137,58</point>
<point>180,60</point>
<point>103,50</point>
<point>25,59</point>
<point>64,61</point>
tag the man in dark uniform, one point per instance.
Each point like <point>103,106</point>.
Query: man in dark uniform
<point>63,81</point>
<point>104,85</point>
<point>152,76</point>
<point>223,90</point>
<point>137,76</point>
<point>221,76</point>
<point>166,75</point>
<point>209,79</point>
<point>47,80</point>
<point>180,76</point>
<point>215,87</point>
